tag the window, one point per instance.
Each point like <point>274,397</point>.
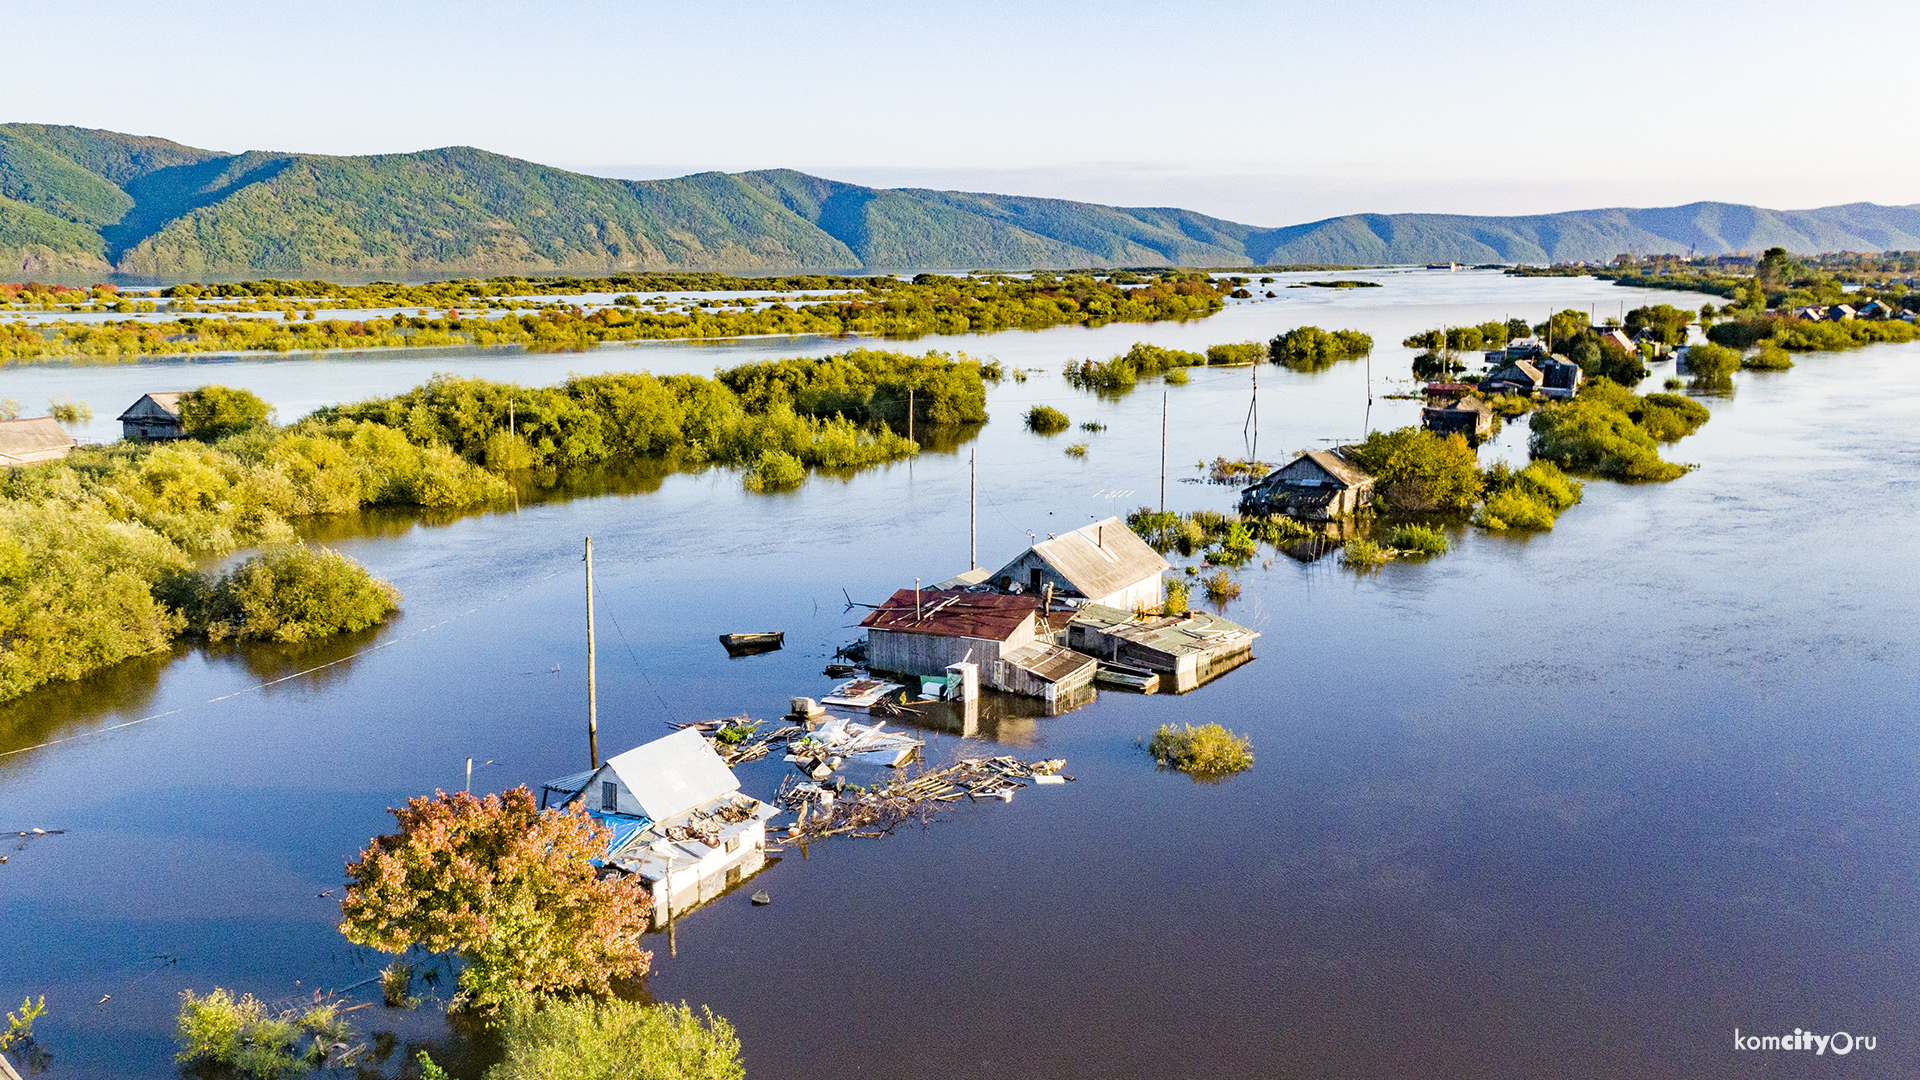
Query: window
<point>610,796</point>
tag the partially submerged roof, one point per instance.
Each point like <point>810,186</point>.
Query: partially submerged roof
<point>1195,631</point>
<point>965,578</point>
<point>1338,467</point>
<point>1099,559</point>
<point>39,438</point>
<point>165,402</point>
<point>673,775</point>
<point>954,613</point>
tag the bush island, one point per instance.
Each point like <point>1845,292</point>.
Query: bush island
<point>1596,433</point>
<point>1416,470</point>
<point>1712,359</point>
<point>1530,498</point>
<point>1206,752</point>
<point>1770,357</point>
<point>1047,420</point>
<point>1310,349</point>
<point>290,595</point>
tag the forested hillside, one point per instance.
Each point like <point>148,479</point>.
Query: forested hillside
<point>77,201</point>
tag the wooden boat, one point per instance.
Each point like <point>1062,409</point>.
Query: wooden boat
<point>749,644</point>
<point>1126,677</point>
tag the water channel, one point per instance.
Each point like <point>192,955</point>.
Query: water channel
<point>1574,804</point>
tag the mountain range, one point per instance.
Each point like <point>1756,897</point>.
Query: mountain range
<point>75,201</point>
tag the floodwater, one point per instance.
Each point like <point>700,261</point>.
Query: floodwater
<point>1577,804</point>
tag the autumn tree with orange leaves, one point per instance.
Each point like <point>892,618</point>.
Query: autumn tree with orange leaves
<point>507,887</point>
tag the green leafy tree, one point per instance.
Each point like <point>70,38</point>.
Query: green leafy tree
<point>1309,348</point>
<point>213,412</point>
<point>506,886</point>
<point>1416,470</point>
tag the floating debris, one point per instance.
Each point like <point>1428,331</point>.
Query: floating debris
<point>843,738</point>
<point>879,811</point>
<point>859,693</point>
<point>761,899</point>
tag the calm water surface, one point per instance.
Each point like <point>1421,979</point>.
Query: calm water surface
<point>1571,805</point>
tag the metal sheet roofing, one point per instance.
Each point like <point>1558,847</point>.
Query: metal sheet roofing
<point>1339,468</point>
<point>37,439</point>
<point>954,613</point>
<point>1050,662</point>
<point>673,775</point>
<point>166,402</point>
<point>1196,631</point>
<point>1099,559</point>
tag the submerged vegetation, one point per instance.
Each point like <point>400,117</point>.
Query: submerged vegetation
<point>244,1036</point>
<point>1208,752</point>
<point>1047,420</point>
<point>887,306</point>
<point>97,550</point>
<point>1310,349</point>
<point>611,1039</point>
<point>1528,498</point>
<point>1610,431</point>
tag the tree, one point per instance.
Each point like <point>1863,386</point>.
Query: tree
<point>1310,349</point>
<point>506,886</point>
<point>1416,470</point>
<point>1669,323</point>
<point>213,412</point>
<point>1776,267</point>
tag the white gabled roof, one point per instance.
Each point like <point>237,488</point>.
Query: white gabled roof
<point>673,775</point>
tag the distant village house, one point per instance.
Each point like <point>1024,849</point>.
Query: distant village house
<point>1467,416</point>
<point>154,416</point>
<point>1319,485</point>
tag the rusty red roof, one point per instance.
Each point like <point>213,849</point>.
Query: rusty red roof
<point>954,613</point>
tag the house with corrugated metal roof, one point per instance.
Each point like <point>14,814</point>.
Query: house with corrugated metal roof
<point>922,632</point>
<point>677,817</point>
<point>154,416</point>
<point>1185,650</point>
<point>1102,563</point>
<point>1468,416</point>
<point>1320,485</point>
<point>39,438</point>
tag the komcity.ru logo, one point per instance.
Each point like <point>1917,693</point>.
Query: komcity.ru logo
<point>1839,1042</point>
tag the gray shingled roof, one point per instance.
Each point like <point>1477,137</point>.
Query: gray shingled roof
<point>1102,558</point>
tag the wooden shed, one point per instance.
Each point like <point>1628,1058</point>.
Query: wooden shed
<point>922,632</point>
<point>1103,563</point>
<point>40,438</point>
<point>1468,416</point>
<point>154,416</point>
<point>1321,485</point>
<point>1185,650</point>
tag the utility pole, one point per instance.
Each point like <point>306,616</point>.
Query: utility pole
<point>1163,451</point>
<point>593,698</point>
<point>973,509</point>
<point>909,414</point>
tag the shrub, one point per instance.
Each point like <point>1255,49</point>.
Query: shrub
<point>1206,752</point>
<point>396,985</point>
<point>244,1036</point>
<point>1176,602</point>
<point>1417,470</point>
<point>584,1039</point>
<point>1047,420</point>
<point>1712,359</point>
<point>1738,334</point>
<point>1175,378</point>
<point>1078,449</point>
<point>1595,432</point>
<point>213,412</point>
<point>1310,349</point>
<point>68,411</point>
<point>1771,357</point>
<point>1528,499</point>
<point>776,470</point>
<point>1221,587</point>
<point>1244,352</point>
<point>1669,417</point>
<point>296,594</point>
<point>1419,539</point>
<point>1364,555</point>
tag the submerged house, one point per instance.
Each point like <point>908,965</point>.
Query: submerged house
<point>1561,378</point>
<point>925,631</point>
<point>1184,650</point>
<point>154,416</point>
<point>1320,485</point>
<point>40,438</point>
<point>1517,376</point>
<point>678,817</point>
<point>1468,416</point>
<point>1102,563</point>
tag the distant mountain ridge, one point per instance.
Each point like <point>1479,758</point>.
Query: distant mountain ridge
<point>79,201</point>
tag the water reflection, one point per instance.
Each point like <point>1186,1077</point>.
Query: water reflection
<point>59,710</point>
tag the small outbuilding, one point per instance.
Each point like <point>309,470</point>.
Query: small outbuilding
<point>1841,313</point>
<point>1561,378</point>
<point>678,818</point>
<point>1184,650</point>
<point>39,438</point>
<point>1101,563</point>
<point>1468,416</point>
<point>154,416</point>
<point>1319,485</point>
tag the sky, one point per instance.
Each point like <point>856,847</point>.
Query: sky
<point>1266,113</point>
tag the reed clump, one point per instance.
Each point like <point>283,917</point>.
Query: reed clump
<point>1047,420</point>
<point>1364,555</point>
<point>1417,540</point>
<point>1221,587</point>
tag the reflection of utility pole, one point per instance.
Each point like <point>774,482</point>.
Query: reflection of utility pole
<point>1253,416</point>
<point>973,509</point>
<point>593,701</point>
<point>1163,451</point>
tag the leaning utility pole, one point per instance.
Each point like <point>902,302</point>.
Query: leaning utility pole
<point>593,700</point>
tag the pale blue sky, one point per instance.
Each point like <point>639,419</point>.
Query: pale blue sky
<point>1270,113</point>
